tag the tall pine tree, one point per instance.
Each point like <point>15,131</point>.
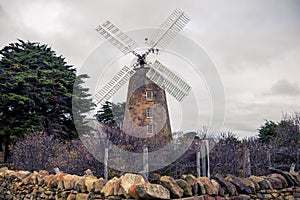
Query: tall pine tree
<point>36,88</point>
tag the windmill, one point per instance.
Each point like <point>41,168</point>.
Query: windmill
<point>146,112</point>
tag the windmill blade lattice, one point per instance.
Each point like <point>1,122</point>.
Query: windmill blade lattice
<point>116,37</point>
<point>169,29</point>
<point>114,85</point>
<point>168,81</point>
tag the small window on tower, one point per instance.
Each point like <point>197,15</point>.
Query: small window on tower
<point>149,95</point>
<point>150,129</point>
<point>149,113</point>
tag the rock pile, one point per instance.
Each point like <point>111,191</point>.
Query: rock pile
<point>42,185</point>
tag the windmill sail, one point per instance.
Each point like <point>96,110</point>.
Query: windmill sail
<point>116,37</point>
<point>114,85</point>
<point>168,81</point>
<point>169,29</point>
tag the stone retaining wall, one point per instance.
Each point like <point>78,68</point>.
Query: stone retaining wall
<point>42,185</point>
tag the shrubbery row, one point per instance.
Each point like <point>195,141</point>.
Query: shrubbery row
<point>40,151</point>
<point>227,156</point>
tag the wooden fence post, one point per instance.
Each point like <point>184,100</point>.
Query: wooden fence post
<point>105,163</point>
<point>145,161</point>
<point>204,153</point>
<point>247,163</point>
<point>198,164</point>
<point>203,158</point>
<point>207,156</point>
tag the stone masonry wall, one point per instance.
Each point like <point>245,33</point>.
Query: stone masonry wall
<point>42,185</point>
<point>135,120</point>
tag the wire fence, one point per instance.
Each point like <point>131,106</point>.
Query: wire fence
<point>225,155</point>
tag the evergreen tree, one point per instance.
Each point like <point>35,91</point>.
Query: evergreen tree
<point>118,110</point>
<point>111,114</point>
<point>36,87</point>
<point>105,114</point>
<point>267,132</point>
<point>286,144</point>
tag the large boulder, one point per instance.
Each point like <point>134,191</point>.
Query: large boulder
<point>244,197</point>
<point>21,174</point>
<point>127,180</point>
<point>120,186</point>
<point>50,181</point>
<point>275,182</point>
<point>240,186</point>
<point>111,187</point>
<point>256,180</point>
<point>27,179</point>
<point>152,191</point>
<point>98,185</point>
<point>82,196</point>
<point>68,182</point>
<point>289,177</point>
<point>132,191</point>
<point>263,183</point>
<point>71,197</point>
<point>89,183</point>
<point>229,186</point>
<point>201,188</point>
<point>280,177</point>
<point>59,176</point>
<point>3,170</point>
<point>249,183</point>
<point>80,185</point>
<point>187,188</point>
<point>170,183</point>
<point>192,181</point>
<point>216,184</point>
<point>32,178</point>
<point>43,173</point>
<point>296,176</point>
<point>209,187</point>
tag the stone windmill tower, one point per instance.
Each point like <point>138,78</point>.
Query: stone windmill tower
<point>146,115</point>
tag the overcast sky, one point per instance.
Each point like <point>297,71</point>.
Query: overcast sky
<point>255,44</point>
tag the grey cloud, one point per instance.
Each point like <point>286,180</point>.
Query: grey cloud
<point>2,11</point>
<point>245,118</point>
<point>284,87</point>
<point>253,32</point>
